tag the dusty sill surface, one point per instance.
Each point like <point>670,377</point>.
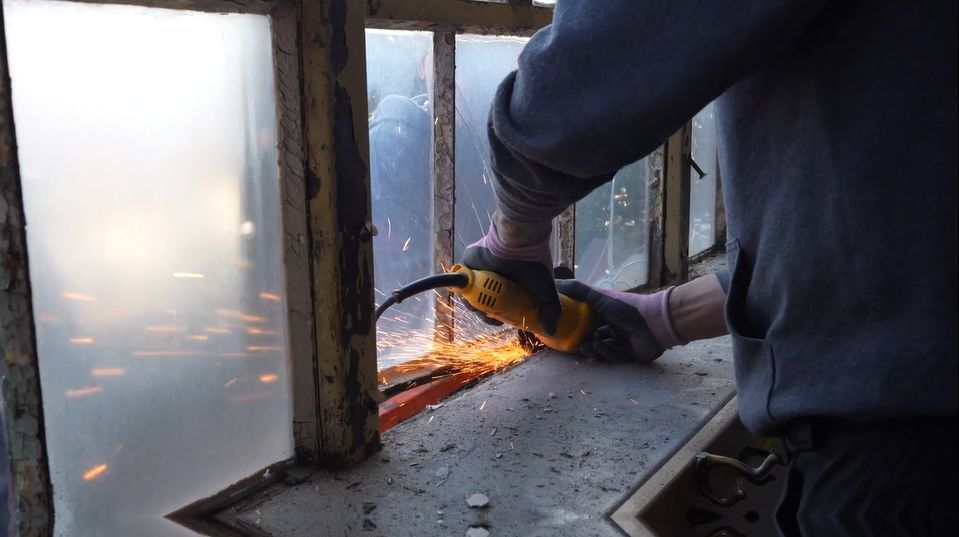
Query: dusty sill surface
<point>556,443</point>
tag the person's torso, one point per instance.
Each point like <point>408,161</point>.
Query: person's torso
<point>839,167</point>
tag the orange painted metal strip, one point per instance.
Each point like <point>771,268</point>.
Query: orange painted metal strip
<point>408,403</point>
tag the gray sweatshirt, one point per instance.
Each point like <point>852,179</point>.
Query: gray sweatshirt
<point>838,155</point>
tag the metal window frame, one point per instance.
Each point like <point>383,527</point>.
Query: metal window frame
<point>319,69</point>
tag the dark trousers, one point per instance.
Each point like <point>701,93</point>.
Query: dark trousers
<point>895,478</point>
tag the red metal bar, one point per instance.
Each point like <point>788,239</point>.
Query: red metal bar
<point>408,403</point>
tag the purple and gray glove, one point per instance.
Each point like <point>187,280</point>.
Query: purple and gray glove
<point>634,327</point>
<point>521,253</point>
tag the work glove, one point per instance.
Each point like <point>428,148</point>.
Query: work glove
<point>519,252</point>
<point>633,327</point>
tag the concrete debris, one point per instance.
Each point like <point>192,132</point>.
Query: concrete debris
<point>368,507</point>
<point>551,395</point>
<point>443,472</point>
<point>477,532</point>
<point>478,500</point>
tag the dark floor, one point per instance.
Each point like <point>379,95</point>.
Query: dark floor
<point>556,443</point>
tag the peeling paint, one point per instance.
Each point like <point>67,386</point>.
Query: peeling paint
<point>339,213</point>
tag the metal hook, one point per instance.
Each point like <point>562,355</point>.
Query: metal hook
<point>707,462</point>
<point>696,167</point>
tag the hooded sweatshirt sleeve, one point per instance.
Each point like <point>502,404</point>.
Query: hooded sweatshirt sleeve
<point>608,81</point>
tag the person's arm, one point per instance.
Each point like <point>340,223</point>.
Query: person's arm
<point>640,327</point>
<point>608,81</point>
<point>697,309</point>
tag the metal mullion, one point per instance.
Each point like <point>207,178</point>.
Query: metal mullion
<point>444,172</point>
<point>465,16</point>
<point>676,206</point>
<point>336,155</point>
<point>565,226</point>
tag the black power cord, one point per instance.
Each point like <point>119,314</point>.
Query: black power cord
<point>430,282</point>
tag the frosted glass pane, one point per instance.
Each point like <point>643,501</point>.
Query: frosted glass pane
<point>147,147</point>
<point>399,78</point>
<point>702,196</point>
<point>612,231</point>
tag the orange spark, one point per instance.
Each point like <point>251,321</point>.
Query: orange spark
<point>268,378</point>
<point>107,372</point>
<point>230,382</point>
<point>162,328</point>
<point>92,473</point>
<point>270,297</point>
<point>254,348</point>
<point>82,340</point>
<point>260,332</point>
<point>483,405</point>
<point>188,275</point>
<point>635,402</point>
<point>197,337</point>
<point>216,330</point>
<point>70,295</point>
<point>82,392</point>
<point>253,318</point>
<point>406,245</point>
<point>47,318</point>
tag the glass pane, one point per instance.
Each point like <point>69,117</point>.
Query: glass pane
<point>702,195</point>
<point>612,231</point>
<point>399,68</point>
<point>481,64</point>
<point>147,146</point>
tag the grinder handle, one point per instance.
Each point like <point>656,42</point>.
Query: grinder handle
<point>505,301</point>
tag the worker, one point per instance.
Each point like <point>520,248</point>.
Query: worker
<point>837,125</point>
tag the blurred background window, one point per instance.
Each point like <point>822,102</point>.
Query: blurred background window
<point>151,185</point>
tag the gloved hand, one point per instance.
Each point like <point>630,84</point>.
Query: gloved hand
<point>519,252</point>
<point>634,327</point>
